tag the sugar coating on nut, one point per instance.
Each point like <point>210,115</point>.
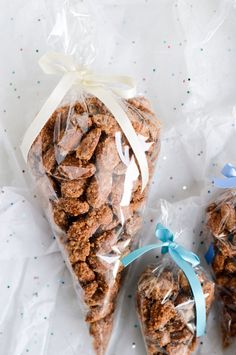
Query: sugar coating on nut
<point>59,216</point>
<point>99,188</point>
<point>73,188</point>
<point>70,140</point>
<point>90,289</point>
<point>73,206</point>
<point>106,123</point>
<point>78,250</point>
<point>72,168</point>
<point>107,156</point>
<point>88,144</point>
<point>83,272</point>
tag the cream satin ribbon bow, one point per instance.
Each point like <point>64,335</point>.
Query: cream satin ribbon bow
<point>105,88</point>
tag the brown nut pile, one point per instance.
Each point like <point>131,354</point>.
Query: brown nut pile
<point>221,222</point>
<point>166,309</point>
<point>81,176</point>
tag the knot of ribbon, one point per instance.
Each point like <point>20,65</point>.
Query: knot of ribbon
<point>229,171</point>
<point>186,261</point>
<point>105,87</point>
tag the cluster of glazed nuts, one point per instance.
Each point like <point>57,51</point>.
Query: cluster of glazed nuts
<point>166,309</point>
<point>81,176</point>
<point>221,222</point>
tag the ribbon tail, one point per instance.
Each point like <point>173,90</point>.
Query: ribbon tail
<point>200,304</point>
<point>209,256</point>
<point>127,92</point>
<point>46,111</point>
<point>128,259</point>
<point>227,183</point>
<point>124,122</point>
<point>188,256</point>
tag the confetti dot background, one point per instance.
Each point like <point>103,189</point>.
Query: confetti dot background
<point>182,54</point>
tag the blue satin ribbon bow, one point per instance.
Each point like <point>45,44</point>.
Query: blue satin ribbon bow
<point>186,261</point>
<point>229,171</point>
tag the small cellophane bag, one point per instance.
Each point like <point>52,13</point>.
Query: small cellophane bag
<point>166,308</point>
<point>173,295</point>
<point>221,235</point>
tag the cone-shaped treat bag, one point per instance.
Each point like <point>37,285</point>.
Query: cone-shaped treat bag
<point>221,234</point>
<point>92,150</point>
<point>173,297</point>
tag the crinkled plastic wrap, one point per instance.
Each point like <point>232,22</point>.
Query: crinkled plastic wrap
<point>221,224</point>
<point>92,194</point>
<point>166,308</point>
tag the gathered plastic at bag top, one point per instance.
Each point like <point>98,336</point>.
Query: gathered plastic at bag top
<point>92,188</point>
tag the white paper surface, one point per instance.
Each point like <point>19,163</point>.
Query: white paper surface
<point>183,55</point>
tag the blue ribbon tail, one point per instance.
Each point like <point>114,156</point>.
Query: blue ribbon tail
<point>128,259</point>
<point>187,255</point>
<point>209,256</point>
<point>197,291</point>
<point>227,183</point>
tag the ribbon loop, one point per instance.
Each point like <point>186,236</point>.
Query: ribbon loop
<point>229,171</point>
<point>186,260</point>
<point>105,88</point>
